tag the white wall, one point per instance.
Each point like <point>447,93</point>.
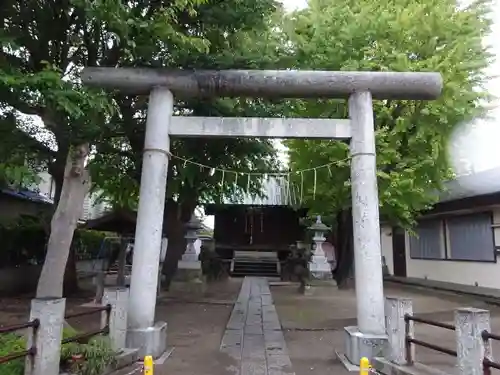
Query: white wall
<point>467,273</point>
<point>92,209</point>
<point>46,186</point>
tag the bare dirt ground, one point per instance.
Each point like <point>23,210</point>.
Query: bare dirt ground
<point>15,310</point>
<point>196,323</point>
<point>313,325</point>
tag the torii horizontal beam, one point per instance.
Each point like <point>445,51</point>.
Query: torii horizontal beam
<point>268,83</point>
<point>250,127</point>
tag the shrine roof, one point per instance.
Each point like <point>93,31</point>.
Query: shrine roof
<point>118,221</point>
<point>215,208</point>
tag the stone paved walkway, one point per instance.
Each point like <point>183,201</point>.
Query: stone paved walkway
<point>253,335</point>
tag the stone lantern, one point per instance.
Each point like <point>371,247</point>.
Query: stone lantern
<point>192,228</point>
<point>318,265</point>
<point>189,266</point>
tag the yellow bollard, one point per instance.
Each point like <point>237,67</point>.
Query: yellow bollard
<point>148,365</point>
<point>364,366</point>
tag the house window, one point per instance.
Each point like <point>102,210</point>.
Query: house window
<point>429,241</point>
<point>470,237</point>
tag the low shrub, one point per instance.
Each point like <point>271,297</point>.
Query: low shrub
<point>25,242</point>
<point>89,357</point>
<point>11,343</point>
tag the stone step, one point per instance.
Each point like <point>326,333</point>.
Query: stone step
<point>255,269</point>
<point>255,264</point>
<point>259,275</point>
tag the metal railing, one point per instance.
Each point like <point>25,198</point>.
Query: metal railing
<point>34,324</point>
<point>409,340</point>
<point>487,363</point>
<point>85,335</point>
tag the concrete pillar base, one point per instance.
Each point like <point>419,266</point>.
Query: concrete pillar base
<point>50,313</point>
<point>359,345</point>
<point>117,297</point>
<point>150,341</point>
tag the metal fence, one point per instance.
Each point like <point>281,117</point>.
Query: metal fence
<point>33,325</point>
<point>409,340</point>
<point>487,363</point>
<point>85,335</point>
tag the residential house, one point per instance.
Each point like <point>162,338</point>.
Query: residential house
<point>16,203</point>
<point>457,241</point>
<point>28,201</point>
<point>92,206</point>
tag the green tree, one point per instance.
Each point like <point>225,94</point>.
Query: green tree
<point>411,136</point>
<point>248,42</point>
<point>39,69</point>
<point>19,162</point>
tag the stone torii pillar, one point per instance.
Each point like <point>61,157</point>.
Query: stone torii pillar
<point>368,337</point>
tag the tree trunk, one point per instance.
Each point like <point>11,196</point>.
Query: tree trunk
<point>56,170</point>
<point>70,282</point>
<point>69,208</point>
<point>344,274</point>
<point>175,231</point>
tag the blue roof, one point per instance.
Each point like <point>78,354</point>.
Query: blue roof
<point>28,195</point>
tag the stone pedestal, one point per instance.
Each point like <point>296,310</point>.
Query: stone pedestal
<point>395,310</point>
<point>319,267</point>
<point>47,340</point>
<point>358,345</point>
<point>188,269</point>
<point>471,348</point>
<point>189,274</point>
<point>117,297</point>
<point>150,341</point>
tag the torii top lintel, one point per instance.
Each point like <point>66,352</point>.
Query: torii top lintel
<point>268,83</point>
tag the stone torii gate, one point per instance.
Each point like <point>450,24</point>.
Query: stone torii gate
<point>368,338</point>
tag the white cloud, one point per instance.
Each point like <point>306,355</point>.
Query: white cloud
<point>291,5</point>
